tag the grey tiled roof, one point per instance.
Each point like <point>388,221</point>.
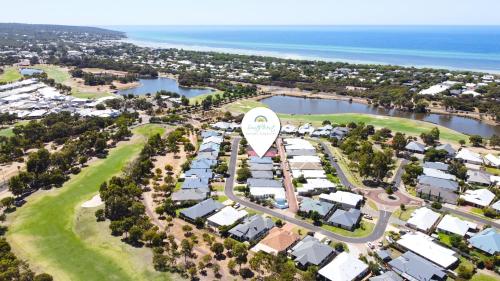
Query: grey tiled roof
<point>263,183</point>
<point>414,267</point>
<point>258,160</point>
<point>415,146</point>
<point>262,174</point>
<point>252,227</point>
<point>437,182</point>
<point>190,183</point>
<point>203,163</point>
<point>387,276</point>
<point>448,148</point>
<point>261,167</point>
<point>345,218</point>
<point>201,209</point>
<point>201,173</point>
<point>189,194</point>
<point>311,251</point>
<point>322,207</point>
<point>436,165</point>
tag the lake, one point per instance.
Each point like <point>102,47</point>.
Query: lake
<point>30,71</point>
<point>296,105</point>
<point>162,83</point>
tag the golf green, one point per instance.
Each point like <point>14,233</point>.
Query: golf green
<point>54,234</point>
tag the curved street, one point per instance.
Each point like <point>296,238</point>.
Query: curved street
<point>377,233</point>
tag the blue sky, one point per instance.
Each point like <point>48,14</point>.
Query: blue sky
<point>253,12</point>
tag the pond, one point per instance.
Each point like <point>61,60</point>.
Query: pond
<point>30,71</point>
<point>162,83</point>
<point>297,105</point>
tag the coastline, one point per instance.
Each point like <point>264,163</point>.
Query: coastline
<point>294,56</point>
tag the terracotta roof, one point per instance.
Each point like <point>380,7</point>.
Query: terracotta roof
<point>280,239</point>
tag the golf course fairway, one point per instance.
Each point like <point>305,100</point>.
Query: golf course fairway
<point>56,235</point>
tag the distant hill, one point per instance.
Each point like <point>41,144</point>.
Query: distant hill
<point>15,33</point>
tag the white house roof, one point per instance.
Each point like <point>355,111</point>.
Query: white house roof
<point>496,206</point>
<point>309,174</point>
<point>424,246</point>
<point>481,197</point>
<point>227,216</point>
<point>423,219</point>
<point>342,197</point>
<point>438,174</point>
<point>435,89</point>
<point>467,155</point>
<point>289,129</point>
<point>277,193</point>
<point>455,225</point>
<point>305,159</point>
<point>492,160</point>
<point>344,267</point>
<point>213,139</point>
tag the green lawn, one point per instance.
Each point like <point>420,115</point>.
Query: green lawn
<point>404,125</point>
<point>364,230</point>
<point>444,238</point>
<point>88,95</point>
<point>404,215</point>
<point>483,277</point>
<point>55,235</point>
<point>7,132</point>
<point>10,74</point>
<point>221,198</point>
<point>149,130</point>
<point>200,98</point>
<point>59,74</point>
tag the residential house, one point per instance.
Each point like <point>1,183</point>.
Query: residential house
<point>339,132</point>
<point>387,276</point>
<point>252,228</point>
<point>345,219</point>
<point>438,174</point>
<point>415,147</point>
<point>194,195</point>
<point>478,197</point>
<point>201,210</point>
<point>453,225</point>
<point>259,160</point>
<point>436,165</point>
<point>415,268</point>
<point>261,167</point>
<point>308,205</point>
<point>345,200</point>
<point>448,148</point>
<point>226,216</point>
<point>424,246</point>
<point>305,166</point>
<point>278,240</point>
<point>262,174</point>
<point>423,219</point>
<point>492,160</point>
<point>310,251</point>
<point>478,178</point>
<point>344,267</point>
<point>437,189</point>
<point>470,157</point>
<point>487,241</point>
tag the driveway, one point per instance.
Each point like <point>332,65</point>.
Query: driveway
<point>228,190</point>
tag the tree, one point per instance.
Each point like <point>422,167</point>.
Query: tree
<point>231,265</point>
<point>461,142</point>
<point>435,155</point>
<point>217,248</point>
<point>398,142</point>
<point>192,271</point>
<point>243,174</point>
<point>476,140</point>
<point>316,217</point>
<point>495,141</point>
<point>240,253</point>
<point>216,269</point>
<point>135,234</point>
<point>465,271</point>
<point>7,202</point>
<point>189,147</point>
<point>186,249</point>
<point>43,277</point>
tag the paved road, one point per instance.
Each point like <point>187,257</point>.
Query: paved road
<point>340,173</point>
<point>399,173</point>
<point>293,206</point>
<point>228,190</point>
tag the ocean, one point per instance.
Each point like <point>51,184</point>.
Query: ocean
<point>452,47</point>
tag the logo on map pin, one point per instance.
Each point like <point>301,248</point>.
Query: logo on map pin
<point>260,127</point>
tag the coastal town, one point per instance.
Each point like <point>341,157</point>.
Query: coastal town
<point>167,186</point>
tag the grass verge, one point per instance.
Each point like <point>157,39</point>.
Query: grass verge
<point>10,74</point>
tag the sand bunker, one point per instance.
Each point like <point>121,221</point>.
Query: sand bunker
<point>94,202</point>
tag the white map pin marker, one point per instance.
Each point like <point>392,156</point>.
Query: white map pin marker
<point>260,127</point>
